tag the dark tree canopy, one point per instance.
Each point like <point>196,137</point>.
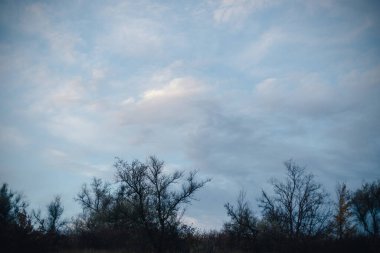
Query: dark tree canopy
<point>15,222</point>
<point>12,206</point>
<point>366,207</point>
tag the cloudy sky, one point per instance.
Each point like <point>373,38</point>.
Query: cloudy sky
<point>231,88</point>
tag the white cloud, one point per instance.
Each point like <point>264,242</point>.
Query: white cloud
<point>177,88</point>
<point>258,49</point>
<point>173,103</point>
<point>164,75</point>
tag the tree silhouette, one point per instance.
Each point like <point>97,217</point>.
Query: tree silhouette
<point>15,223</point>
<point>343,216</point>
<point>12,207</point>
<point>97,202</point>
<point>53,222</point>
<point>156,196</point>
<point>366,207</point>
<point>242,227</point>
<point>242,222</point>
<point>142,210</point>
<point>298,205</point>
<point>54,218</point>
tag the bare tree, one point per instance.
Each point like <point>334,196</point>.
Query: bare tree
<point>97,202</point>
<point>156,196</point>
<point>298,205</point>
<point>343,224</point>
<point>241,229</point>
<point>53,223</point>
<point>366,207</point>
<point>242,222</point>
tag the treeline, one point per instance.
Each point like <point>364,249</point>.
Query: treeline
<point>141,212</point>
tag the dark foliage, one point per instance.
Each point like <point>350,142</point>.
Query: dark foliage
<point>16,229</point>
<point>366,207</point>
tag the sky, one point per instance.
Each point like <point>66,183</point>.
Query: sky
<point>231,88</point>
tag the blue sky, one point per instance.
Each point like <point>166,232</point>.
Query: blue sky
<point>230,88</point>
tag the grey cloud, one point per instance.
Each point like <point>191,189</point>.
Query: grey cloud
<point>332,131</point>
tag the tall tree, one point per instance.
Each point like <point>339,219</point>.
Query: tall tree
<point>298,205</point>
<point>241,229</point>
<point>242,222</point>
<point>53,222</point>
<point>343,216</point>
<point>15,223</point>
<point>12,207</point>
<point>155,196</point>
<point>366,207</point>
<point>54,218</point>
<point>97,203</point>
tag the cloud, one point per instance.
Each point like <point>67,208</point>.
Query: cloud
<point>74,128</point>
<point>176,89</point>
<point>38,22</point>
<point>238,10</point>
<point>72,92</point>
<point>63,160</point>
<point>56,154</point>
<point>53,98</point>
<point>328,127</point>
<point>159,106</point>
<point>166,74</point>
<point>132,38</point>
<point>125,33</point>
<point>258,49</point>
<point>301,94</point>
<point>310,95</point>
<point>12,137</point>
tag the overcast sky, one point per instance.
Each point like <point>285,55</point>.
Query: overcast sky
<point>230,88</point>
